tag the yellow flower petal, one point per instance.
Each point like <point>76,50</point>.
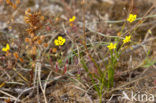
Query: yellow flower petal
<point>72,19</point>
<point>56,42</point>
<point>63,40</point>
<point>7,47</point>
<point>4,49</point>
<point>60,38</point>
<point>61,43</point>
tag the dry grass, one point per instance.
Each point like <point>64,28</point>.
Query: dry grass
<point>37,71</point>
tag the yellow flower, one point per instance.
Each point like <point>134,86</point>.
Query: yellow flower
<point>72,19</point>
<point>131,18</point>
<point>127,39</point>
<point>111,46</point>
<point>5,49</point>
<point>59,41</point>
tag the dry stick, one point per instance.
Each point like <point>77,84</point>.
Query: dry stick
<point>38,77</point>
<point>12,97</point>
<point>24,91</point>
<point>127,71</point>
<point>86,92</point>
<point>107,36</point>
<point>131,6</point>
<point>49,82</point>
<point>37,84</point>
<point>39,80</point>
<point>46,82</point>
<point>21,75</point>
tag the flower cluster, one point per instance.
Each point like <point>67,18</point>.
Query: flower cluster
<point>59,41</point>
<point>113,46</point>
<point>34,20</point>
<point>131,18</point>
<point>13,5</point>
<point>16,56</point>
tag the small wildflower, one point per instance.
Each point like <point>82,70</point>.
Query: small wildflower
<point>72,19</point>
<point>27,40</point>
<point>35,38</point>
<point>16,55</point>
<point>7,48</point>
<point>32,35</point>
<point>13,4</point>
<point>39,42</point>
<point>45,45</point>
<point>59,41</point>
<point>111,46</point>
<point>21,60</point>
<point>32,51</point>
<point>127,39</point>
<point>54,50</point>
<point>131,18</point>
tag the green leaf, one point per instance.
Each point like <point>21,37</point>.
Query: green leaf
<point>149,63</point>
